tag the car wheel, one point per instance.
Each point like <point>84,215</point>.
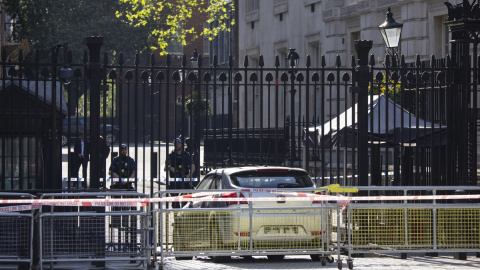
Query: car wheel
<point>275,257</point>
<point>216,244</point>
<point>110,138</point>
<point>178,245</point>
<point>64,140</point>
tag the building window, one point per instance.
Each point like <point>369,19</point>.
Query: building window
<point>354,36</point>
<point>252,5</point>
<point>315,55</point>
<point>282,55</point>
<point>206,41</point>
<point>174,46</point>
<point>442,36</point>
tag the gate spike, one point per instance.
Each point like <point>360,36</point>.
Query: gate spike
<point>433,61</point>
<point>169,60</point>
<point>200,60</point>
<point>387,60</point>
<point>215,61</point>
<point>152,59</point>
<point>260,61</point>
<point>324,63</point>
<point>402,61</point>
<point>338,63</point>
<point>372,60</point>
<point>353,61</point>
<point>245,62</point>
<point>137,59</point>
<point>418,63</point>
<point>277,61</point>
<point>230,61</point>
<point>184,61</point>
<point>309,62</point>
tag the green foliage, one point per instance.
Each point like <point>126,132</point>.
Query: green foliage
<point>48,22</point>
<point>392,89</point>
<point>197,103</point>
<point>106,98</point>
<point>175,14</point>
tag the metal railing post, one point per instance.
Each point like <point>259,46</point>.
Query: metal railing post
<point>361,86</point>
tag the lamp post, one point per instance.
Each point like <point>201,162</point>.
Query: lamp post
<point>391,31</point>
<point>293,60</point>
<point>192,77</point>
<point>194,102</point>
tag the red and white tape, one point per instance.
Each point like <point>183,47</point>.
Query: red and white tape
<point>17,208</point>
<point>190,197</point>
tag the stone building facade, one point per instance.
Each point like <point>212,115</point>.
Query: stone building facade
<point>330,27</point>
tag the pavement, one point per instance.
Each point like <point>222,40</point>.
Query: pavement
<point>417,261</point>
<point>369,262</point>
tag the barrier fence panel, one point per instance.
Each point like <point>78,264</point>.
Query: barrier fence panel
<point>394,227</point>
<point>116,227</point>
<point>16,238</point>
<point>244,231</point>
<point>99,234</point>
<point>414,224</point>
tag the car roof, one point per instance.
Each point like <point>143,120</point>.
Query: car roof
<point>231,170</point>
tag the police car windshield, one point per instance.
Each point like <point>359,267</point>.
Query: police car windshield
<point>256,179</point>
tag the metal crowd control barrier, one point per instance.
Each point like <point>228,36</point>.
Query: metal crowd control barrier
<point>414,224</point>
<point>116,227</point>
<point>244,231</point>
<point>77,231</point>
<point>16,238</point>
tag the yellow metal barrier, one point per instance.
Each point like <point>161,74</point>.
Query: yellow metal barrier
<point>458,228</point>
<point>399,228</point>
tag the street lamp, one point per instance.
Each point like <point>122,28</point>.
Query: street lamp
<point>391,31</point>
<point>66,73</point>
<point>293,59</point>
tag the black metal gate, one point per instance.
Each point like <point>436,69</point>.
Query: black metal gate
<point>358,123</point>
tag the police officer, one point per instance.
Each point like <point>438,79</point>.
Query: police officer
<point>123,166</point>
<point>180,162</point>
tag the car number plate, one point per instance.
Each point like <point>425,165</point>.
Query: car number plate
<point>281,229</point>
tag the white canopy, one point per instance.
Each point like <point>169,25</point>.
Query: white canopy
<point>387,123</point>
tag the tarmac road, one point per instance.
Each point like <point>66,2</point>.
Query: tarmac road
<point>369,262</point>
